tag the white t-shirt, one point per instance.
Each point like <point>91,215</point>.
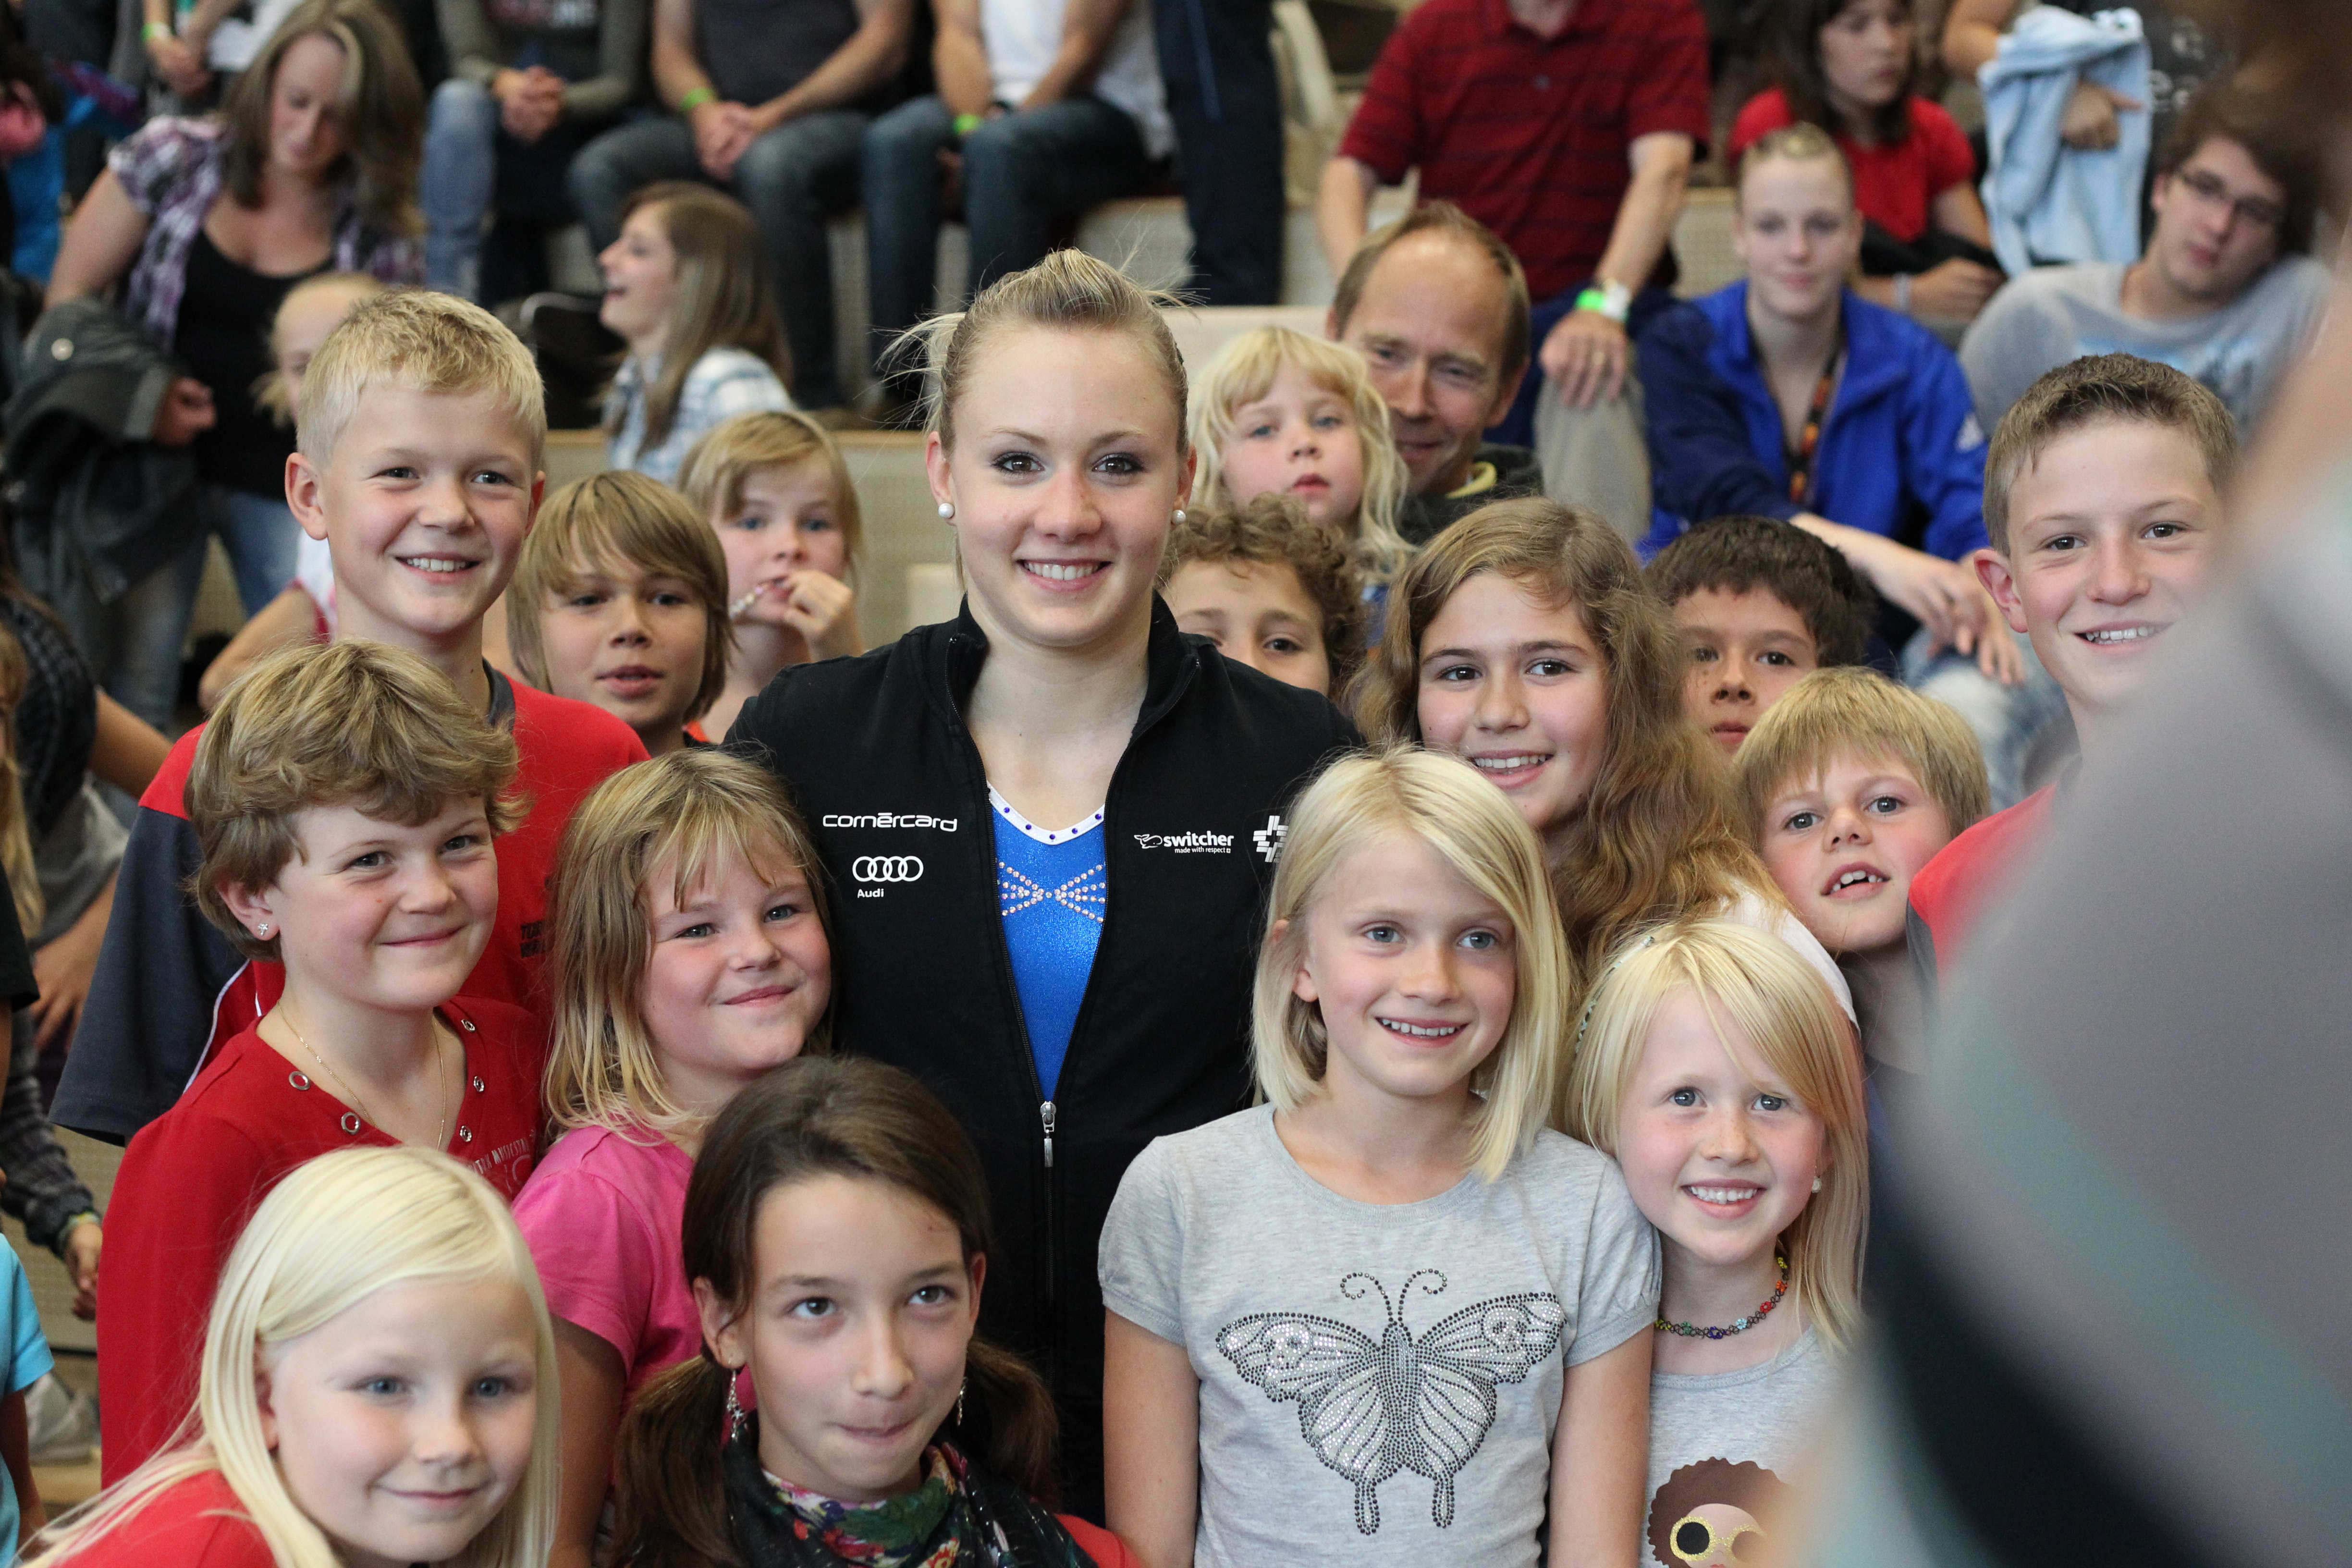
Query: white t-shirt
<point>1379,1382</point>
<point>1022,37</point>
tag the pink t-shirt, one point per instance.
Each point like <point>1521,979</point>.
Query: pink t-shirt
<point>604,1215</point>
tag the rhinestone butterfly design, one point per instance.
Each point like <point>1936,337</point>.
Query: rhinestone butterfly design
<point>1370,1408</point>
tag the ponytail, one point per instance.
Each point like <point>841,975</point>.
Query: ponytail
<point>670,1507</point>
<point>1010,1427</point>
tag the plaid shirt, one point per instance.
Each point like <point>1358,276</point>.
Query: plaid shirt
<point>173,170</point>
<point>722,383</point>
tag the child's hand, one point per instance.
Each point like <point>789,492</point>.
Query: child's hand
<point>82,1243</point>
<point>822,609</point>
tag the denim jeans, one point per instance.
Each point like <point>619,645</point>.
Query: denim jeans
<point>1021,172</point>
<point>138,658</point>
<point>2006,718</point>
<point>792,179</point>
<point>1216,60</point>
<point>471,164</point>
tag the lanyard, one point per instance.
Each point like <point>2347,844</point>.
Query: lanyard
<point>1809,440</point>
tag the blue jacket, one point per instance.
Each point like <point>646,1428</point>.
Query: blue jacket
<point>1902,433</point>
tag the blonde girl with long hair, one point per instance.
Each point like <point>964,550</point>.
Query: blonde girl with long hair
<point>685,287</point>
<point>1718,1070</point>
<point>689,956</point>
<point>1525,641</point>
<point>1387,1308</point>
<point>377,1387</point>
<point>1279,411</point>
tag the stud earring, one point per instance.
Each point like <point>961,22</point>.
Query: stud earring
<point>1179,518</point>
<point>262,931</point>
<point>947,511</point>
<point>1817,1183</point>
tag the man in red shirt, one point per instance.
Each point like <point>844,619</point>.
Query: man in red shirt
<point>1566,126</point>
<point>2103,498</point>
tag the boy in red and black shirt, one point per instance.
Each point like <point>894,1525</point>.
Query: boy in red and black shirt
<point>422,425</point>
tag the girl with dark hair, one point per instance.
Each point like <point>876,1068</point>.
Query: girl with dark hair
<point>208,225</point>
<point>836,1233</point>
<point>687,288</point>
<point>1851,67</point>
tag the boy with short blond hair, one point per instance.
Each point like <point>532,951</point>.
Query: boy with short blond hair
<point>2103,501</point>
<point>1760,603</point>
<point>421,428</point>
<point>1850,784</point>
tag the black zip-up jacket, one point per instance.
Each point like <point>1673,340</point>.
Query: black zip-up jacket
<point>875,751</point>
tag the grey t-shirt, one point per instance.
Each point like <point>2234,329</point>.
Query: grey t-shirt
<point>1711,1433</point>
<point>2053,315</point>
<point>1379,1383</point>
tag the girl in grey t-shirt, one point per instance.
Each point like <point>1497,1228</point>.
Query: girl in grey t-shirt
<point>1386,1318</point>
<point>1718,1070</point>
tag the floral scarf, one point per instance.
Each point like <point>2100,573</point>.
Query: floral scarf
<point>954,1519</point>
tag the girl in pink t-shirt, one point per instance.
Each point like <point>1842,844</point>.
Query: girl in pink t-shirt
<point>689,953</point>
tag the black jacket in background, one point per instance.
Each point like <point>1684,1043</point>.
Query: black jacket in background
<point>876,752</point>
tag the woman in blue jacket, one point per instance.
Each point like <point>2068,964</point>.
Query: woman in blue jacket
<point>1788,395</point>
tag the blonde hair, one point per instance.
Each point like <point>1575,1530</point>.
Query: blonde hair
<point>1442,803</point>
<point>423,342</point>
<point>604,520</point>
<point>16,822</point>
<point>270,391</point>
<point>1853,711</point>
<point>347,723</point>
<point>1754,984</point>
<point>1657,837</point>
<point>723,299</point>
<point>1244,372</point>
<point>691,810</point>
<point>712,475</point>
<point>1068,292</point>
<point>336,1231</point>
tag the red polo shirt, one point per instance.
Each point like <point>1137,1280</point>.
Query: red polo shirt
<point>1529,135</point>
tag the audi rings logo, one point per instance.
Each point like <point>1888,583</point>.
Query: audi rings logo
<point>886,868</point>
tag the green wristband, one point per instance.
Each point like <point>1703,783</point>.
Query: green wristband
<point>697,99</point>
<point>155,32</point>
<point>965,124</point>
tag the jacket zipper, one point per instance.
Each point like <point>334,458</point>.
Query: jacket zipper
<point>1045,1112</point>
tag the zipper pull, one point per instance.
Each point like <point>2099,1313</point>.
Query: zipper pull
<point>1045,1112</point>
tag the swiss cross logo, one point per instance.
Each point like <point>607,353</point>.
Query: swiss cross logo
<point>1269,838</point>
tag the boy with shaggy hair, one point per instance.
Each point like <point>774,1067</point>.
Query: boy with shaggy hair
<point>418,442</point>
<point>343,804</point>
<point>1850,784</point>
<point>2102,500</point>
<point>1273,588</point>
<point>1760,603</point>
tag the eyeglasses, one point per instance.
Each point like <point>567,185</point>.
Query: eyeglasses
<point>1695,1541</point>
<point>2209,189</point>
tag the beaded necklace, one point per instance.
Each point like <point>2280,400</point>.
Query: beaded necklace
<point>1738,1325</point>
